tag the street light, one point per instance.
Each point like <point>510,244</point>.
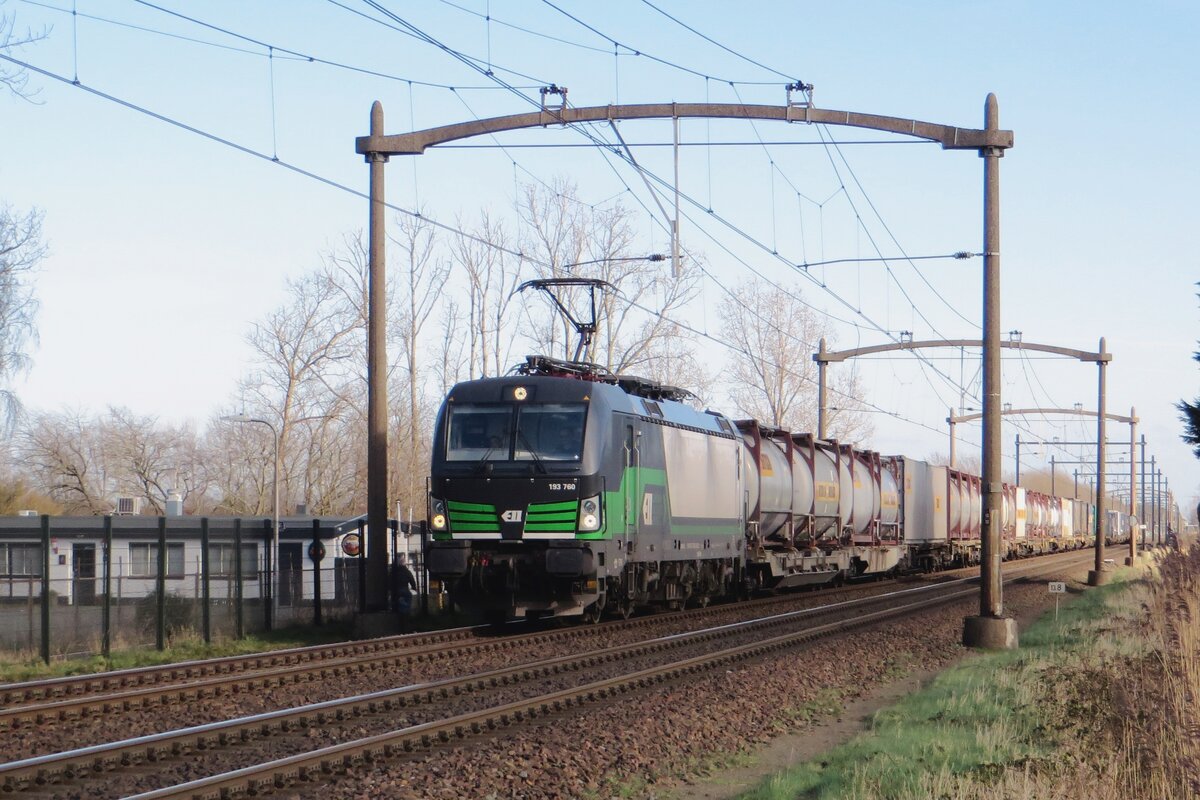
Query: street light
<point>242,418</point>
<point>651,257</point>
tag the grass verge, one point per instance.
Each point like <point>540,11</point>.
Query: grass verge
<point>1100,704</point>
<point>184,646</point>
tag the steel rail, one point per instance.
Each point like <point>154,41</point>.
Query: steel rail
<point>97,759</point>
<point>74,685</point>
<point>214,674</point>
<point>336,758</point>
<point>82,686</point>
<point>276,668</point>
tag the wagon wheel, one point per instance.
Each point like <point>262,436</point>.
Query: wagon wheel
<point>592,614</point>
<point>625,609</point>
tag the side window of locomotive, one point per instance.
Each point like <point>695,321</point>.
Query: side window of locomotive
<point>476,433</point>
<point>550,432</point>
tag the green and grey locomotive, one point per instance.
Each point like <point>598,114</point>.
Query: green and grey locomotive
<point>564,490</point>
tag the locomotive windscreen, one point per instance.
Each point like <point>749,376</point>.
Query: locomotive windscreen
<point>508,432</point>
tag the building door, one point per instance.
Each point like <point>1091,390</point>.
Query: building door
<point>83,573</point>
<point>290,572</point>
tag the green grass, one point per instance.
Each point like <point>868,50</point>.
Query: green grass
<point>186,647</point>
<point>976,722</point>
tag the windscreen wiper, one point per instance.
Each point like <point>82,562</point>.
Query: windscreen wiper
<point>537,460</point>
<point>482,465</point>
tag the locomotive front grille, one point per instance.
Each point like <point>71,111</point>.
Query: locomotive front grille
<point>473,517</point>
<point>556,517</point>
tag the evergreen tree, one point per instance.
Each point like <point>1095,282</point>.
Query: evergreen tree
<point>1190,414</point>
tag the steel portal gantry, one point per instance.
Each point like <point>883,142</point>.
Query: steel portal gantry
<point>991,473</point>
<point>990,628</point>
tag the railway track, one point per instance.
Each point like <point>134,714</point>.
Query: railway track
<point>112,693</point>
<point>79,686</point>
<point>434,712</point>
<point>112,687</point>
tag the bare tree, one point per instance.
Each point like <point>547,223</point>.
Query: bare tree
<point>239,460</point>
<point>772,377</point>
<point>303,350</point>
<point>12,76</point>
<point>151,461</point>
<point>566,238</point>
<point>672,360</point>
<point>420,278</point>
<point>449,367</point>
<point>335,464</point>
<point>17,493</point>
<point>63,456</point>
<point>20,250</point>
<point>492,275</point>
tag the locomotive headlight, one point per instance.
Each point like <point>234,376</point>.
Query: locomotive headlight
<point>437,520</point>
<point>589,514</point>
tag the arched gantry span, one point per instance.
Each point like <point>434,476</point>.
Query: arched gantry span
<point>949,137</point>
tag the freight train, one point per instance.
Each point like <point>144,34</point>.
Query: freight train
<point>565,490</point>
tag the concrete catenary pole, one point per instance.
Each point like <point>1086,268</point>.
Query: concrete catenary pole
<point>953,445</point>
<point>990,628</point>
<point>1154,502</point>
<point>1133,487</point>
<point>1142,489</point>
<point>1098,575</point>
<point>822,398</point>
<point>1017,461</point>
<point>377,479</point>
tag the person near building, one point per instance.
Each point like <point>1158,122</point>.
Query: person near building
<point>405,584</point>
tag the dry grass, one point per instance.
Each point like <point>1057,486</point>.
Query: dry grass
<point>1132,709</point>
<point>1103,705</point>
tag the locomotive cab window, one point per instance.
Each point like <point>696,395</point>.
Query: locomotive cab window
<point>550,432</point>
<point>528,432</point>
<point>479,433</point>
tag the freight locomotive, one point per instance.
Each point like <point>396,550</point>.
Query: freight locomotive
<point>564,490</point>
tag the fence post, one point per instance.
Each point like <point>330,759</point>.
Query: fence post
<point>393,590</point>
<point>107,612</point>
<point>205,589</point>
<point>316,552</point>
<point>267,589</point>
<point>45,588</point>
<point>239,621</point>
<point>362,566</point>
<point>160,627</point>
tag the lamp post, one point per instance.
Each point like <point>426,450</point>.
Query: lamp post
<point>274,585</point>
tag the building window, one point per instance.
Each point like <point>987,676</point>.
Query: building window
<point>221,561</point>
<point>21,559</point>
<point>143,560</point>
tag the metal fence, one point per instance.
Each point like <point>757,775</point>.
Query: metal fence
<point>82,586</point>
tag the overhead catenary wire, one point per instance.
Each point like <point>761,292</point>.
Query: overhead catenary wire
<point>399,209</point>
<point>642,53</point>
<point>403,26</point>
<point>487,16</point>
<point>511,87</point>
<point>266,49</point>
<point>710,40</point>
<point>862,190</point>
<point>774,166</point>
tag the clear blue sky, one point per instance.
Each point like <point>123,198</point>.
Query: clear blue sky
<point>165,246</point>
